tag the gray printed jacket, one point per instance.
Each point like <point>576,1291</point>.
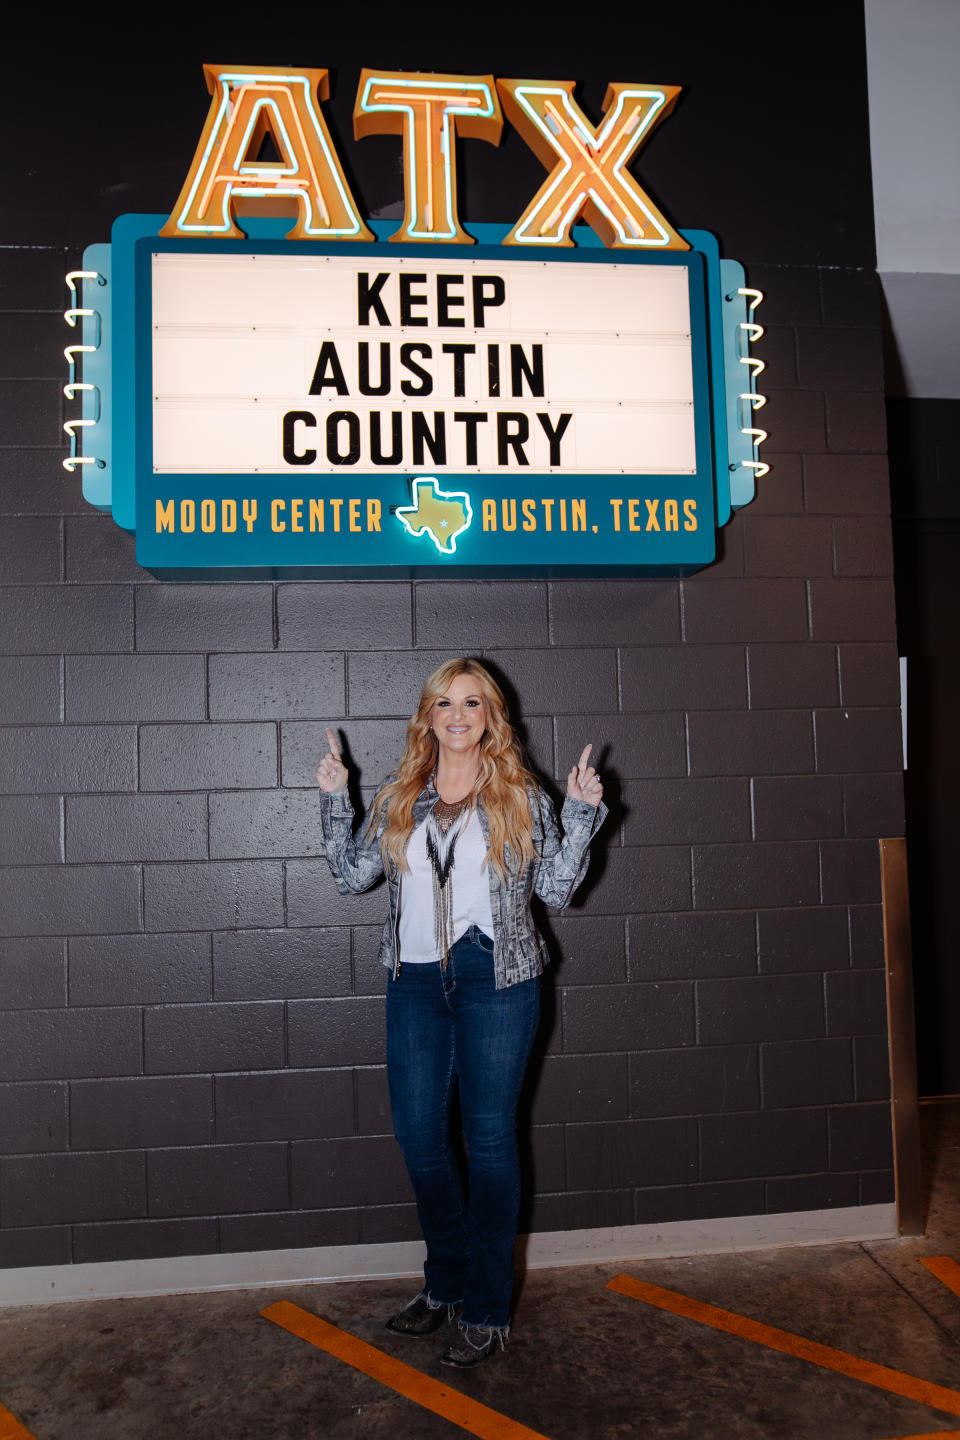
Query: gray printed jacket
<point>519,953</point>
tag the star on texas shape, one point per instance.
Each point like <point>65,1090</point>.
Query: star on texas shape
<point>440,514</point>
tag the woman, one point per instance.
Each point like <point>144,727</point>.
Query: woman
<point>465,836</point>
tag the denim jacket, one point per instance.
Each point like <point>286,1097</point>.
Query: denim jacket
<point>560,864</point>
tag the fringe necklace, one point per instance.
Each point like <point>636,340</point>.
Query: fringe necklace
<point>444,825</point>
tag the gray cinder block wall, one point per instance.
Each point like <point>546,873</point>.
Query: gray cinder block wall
<point>191,1037</point>
<point>191,1043</point>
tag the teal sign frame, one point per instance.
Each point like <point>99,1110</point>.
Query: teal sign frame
<point>598,524</point>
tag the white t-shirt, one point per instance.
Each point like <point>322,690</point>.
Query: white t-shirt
<point>471,893</point>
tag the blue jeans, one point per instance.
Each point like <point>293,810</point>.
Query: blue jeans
<point>452,1026</point>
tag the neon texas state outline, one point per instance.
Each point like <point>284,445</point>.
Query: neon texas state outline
<point>443,515</point>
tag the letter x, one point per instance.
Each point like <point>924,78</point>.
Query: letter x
<point>587,164</point>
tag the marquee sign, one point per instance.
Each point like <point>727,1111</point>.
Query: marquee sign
<point>268,386</point>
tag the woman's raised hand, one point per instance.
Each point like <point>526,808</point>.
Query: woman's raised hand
<point>331,772</point>
<point>583,782</point>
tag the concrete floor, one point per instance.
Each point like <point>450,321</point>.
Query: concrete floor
<point>582,1361</point>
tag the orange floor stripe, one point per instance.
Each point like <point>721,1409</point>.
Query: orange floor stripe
<point>937,1396</point>
<point>930,1435</point>
<point>946,1270</point>
<point>431,1394</point>
<point>11,1429</point>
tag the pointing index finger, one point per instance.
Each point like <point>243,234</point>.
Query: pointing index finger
<point>332,742</point>
<point>584,760</point>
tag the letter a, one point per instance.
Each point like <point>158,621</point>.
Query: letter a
<point>588,165</point>
<point>427,110</point>
<point>227,179</point>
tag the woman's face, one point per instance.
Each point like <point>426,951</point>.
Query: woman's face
<point>459,716</point>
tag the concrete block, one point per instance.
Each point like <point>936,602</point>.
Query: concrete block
<point>873,805</point>
<point>342,615</point>
<point>800,545</point>
<point>701,1080</point>
<point>372,749</point>
<point>797,807</point>
<point>627,746</point>
<point>832,358</point>
<point>850,297</point>
<point>775,1142</point>
<point>620,612</point>
<point>143,1240</point>
<point>69,1189</point>
<point>466,614</point>
<point>680,812</point>
<point>33,1118</point>
<point>304,1230</point>
<point>860,1137</point>
<point>850,872</point>
<point>277,687</point>
<point>33,973</point>
<point>857,421</point>
<point>29,689</point>
<point>264,823</point>
<point>141,1112</point>
<point>136,827</point>
<point>35,1245</point>
<point>869,674</point>
<point>30,547</point>
<point>759,1008</point>
<point>30,829</point>
<point>217,895</point>
<point>866,936</point>
<point>76,899</point>
<point>847,485</point>
<point>591,949</point>
<point>572,1088</point>
<point>37,619</point>
<point>812,1192</point>
<point>794,419</point>
<point>750,742</point>
<point>139,969</point>
<point>182,1039</point>
<point>807,1072</point>
<point>281,964</point>
<point>217,1180</point>
<point>674,947</point>
<point>683,677</point>
<point>792,676</point>
<point>725,610</point>
<point>208,757</point>
<point>631,1152</point>
<point>610,1018</point>
<point>177,618</point>
<point>871,1067</point>
<point>95,548</point>
<point>363,1170</point>
<point>792,941</point>
<point>30,411</point>
<point>44,759</point>
<point>856,1003</point>
<point>558,682</point>
<point>313,900</point>
<point>284,1105</point>
<point>336,1032</point>
<point>135,687</point>
<point>864,546</point>
<point>637,878</point>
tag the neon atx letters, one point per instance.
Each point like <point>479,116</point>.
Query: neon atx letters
<point>586,164</point>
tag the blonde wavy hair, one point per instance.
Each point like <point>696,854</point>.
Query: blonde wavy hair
<point>503,781</point>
